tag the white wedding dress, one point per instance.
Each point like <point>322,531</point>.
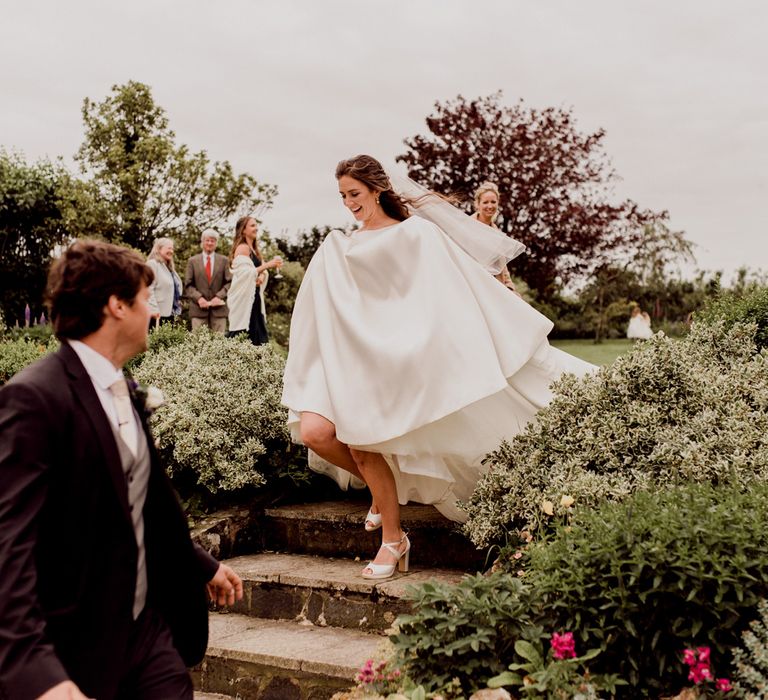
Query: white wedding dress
<point>413,350</point>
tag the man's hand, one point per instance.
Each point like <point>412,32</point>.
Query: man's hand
<point>203,303</point>
<point>216,301</point>
<point>225,587</point>
<point>66,690</point>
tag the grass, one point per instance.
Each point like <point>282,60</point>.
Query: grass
<point>597,353</point>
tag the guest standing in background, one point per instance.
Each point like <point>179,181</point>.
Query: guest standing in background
<point>247,312</point>
<point>486,210</point>
<point>639,327</point>
<point>206,285</point>
<point>165,290</point>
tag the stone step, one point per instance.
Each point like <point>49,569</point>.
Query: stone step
<point>335,529</point>
<point>255,659</point>
<point>326,592</point>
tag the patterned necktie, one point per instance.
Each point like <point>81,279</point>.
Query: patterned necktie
<point>208,268</point>
<point>125,423</point>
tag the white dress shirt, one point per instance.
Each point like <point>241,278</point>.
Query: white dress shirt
<point>103,374</point>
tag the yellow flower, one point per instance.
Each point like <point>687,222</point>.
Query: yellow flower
<point>567,501</point>
<point>548,507</point>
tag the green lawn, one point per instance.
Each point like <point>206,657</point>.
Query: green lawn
<point>597,353</point>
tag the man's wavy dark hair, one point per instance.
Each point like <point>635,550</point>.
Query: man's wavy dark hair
<point>82,280</point>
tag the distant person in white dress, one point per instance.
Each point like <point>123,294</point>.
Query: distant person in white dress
<point>407,361</point>
<point>639,327</point>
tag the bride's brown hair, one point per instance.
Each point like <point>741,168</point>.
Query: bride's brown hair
<point>371,173</point>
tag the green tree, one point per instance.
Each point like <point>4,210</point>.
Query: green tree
<point>32,224</point>
<point>149,185</point>
<point>303,247</point>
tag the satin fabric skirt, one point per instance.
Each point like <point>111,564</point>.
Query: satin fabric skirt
<point>414,351</point>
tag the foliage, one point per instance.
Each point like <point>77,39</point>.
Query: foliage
<point>667,412</point>
<point>641,579</point>
<point>555,183</point>
<point>751,659</point>
<point>748,305</point>
<point>279,299</point>
<point>39,333</point>
<point>31,225</point>
<point>223,426</point>
<point>555,675</point>
<point>462,635</point>
<point>151,187</point>
<point>160,338</point>
<point>15,355</point>
<point>303,248</point>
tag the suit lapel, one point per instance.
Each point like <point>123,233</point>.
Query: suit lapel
<point>84,393</point>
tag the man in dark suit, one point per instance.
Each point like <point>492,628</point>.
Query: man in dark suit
<point>206,285</point>
<point>102,593</point>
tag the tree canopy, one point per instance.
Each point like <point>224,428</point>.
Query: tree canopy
<point>555,183</point>
<point>32,224</point>
<point>148,185</point>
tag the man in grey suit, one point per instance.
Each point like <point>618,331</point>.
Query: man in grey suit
<point>206,285</point>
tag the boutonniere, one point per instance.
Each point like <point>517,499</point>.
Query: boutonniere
<point>147,398</point>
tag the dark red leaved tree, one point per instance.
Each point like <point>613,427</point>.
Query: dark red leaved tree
<point>555,184</point>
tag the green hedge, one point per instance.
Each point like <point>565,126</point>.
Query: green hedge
<point>640,580</point>
<point>732,308</point>
<point>222,427</point>
<point>668,412</point>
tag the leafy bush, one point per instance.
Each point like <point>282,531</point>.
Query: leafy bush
<point>667,412</point>
<point>160,338</point>
<point>15,355</point>
<point>460,636</point>
<point>279,299</point>
<point>644,578</point>
<point>40,334</point>
<point>733,307</point>
<point>223,426</point>
<point>557,674</point>
<point>751,660</point>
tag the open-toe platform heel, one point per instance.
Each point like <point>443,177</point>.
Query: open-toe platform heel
<point>378,571</point>
<point>372,521</point>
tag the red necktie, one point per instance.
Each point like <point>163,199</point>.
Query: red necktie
<point>208,268</point>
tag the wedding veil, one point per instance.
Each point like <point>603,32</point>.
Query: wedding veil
<point>488,245</point>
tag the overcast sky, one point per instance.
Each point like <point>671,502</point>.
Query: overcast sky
<point>285,89</point>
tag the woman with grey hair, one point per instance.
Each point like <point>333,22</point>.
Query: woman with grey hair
<point>165,290</point>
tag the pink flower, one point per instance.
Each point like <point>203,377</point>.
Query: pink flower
<point>703,654</point>
<point>563,646</point>
<point>723,684</point>
<point>700,672</point>
<point>689,657</point>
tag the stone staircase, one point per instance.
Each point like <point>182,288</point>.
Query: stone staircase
<point>308,621</point>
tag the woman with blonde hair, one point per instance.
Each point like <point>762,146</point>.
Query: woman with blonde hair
<point>486,202</point>
<point>245,300</point>
<point>165,290</point>
<point>408,363</point>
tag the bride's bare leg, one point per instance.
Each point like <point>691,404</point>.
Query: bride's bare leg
<point>377,474</point>
<point>319,435</point>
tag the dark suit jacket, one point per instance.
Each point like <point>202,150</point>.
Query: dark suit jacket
<point>196,285</point>
<point>67,547</point>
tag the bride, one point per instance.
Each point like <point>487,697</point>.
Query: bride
<point>408,362</point>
